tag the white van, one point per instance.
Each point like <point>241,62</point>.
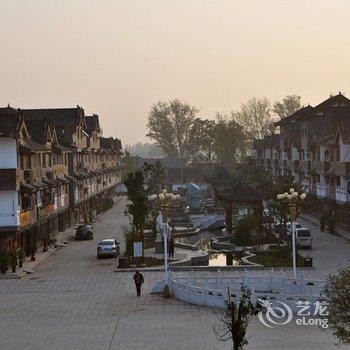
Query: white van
<point>289,228</point>
<point>303,238</point>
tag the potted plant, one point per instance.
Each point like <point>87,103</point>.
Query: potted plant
<point>20,256</point>
<point>13,258</point>
<point>4,262</point>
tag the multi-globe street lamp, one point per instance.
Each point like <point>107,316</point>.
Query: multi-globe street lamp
<point>164,197</point>
<point>292,198</point>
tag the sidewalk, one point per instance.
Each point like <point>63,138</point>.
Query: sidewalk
<point>345,234</point>
<point>62,240</point>
<point>28,265</point>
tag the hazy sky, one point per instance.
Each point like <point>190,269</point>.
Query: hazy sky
<point>118,57</point>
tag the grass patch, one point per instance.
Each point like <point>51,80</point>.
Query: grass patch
<point>277,257</point>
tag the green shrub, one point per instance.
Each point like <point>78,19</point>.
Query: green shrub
<point>244,229</point>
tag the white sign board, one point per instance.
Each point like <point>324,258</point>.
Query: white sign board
<point>137,249</point>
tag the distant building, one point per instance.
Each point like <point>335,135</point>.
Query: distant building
<point>314,146</point>
<point>55,167</point>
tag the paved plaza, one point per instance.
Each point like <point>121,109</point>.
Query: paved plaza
<point>74,301</point>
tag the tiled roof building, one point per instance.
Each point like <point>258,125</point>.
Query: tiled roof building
<point>55,168</point>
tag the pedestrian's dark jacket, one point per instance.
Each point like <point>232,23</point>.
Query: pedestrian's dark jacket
<point>138,278</point>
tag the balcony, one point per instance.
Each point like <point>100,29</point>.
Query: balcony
<point>341,196</point>
<point>40,171</point>
<point>341,168</point>
<point>60,170</point>
<point>321,191</point>
<point>45,210</point>
<point>321,166</point>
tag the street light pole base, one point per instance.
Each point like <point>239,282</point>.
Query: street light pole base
<point>166,292</point>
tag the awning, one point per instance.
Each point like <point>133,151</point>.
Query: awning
<point>39,184</point>
<point>51,182</point>
<point>78,176</point>
<point>85,175</point>
<point>63,180</point>
<point>27,187</point>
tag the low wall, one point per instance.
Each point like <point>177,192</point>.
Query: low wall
<point>213,291</point>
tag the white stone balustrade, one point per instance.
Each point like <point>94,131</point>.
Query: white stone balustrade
<point>212,291</point>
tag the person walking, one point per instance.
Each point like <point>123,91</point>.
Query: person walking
<point>138,278</point>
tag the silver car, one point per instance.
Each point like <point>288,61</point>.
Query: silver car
<point>108,247</point>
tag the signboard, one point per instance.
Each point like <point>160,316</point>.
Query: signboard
<point>137,249</point>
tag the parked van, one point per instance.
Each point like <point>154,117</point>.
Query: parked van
<point>303,238</point>
<point>289,228</point>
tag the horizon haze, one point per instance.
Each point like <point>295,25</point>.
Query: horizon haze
<point>118,58</point>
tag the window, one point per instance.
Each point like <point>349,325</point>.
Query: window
<point>326,155</point>
<point>26,201</point>
<point>37,159</point>
<point>47,160</point>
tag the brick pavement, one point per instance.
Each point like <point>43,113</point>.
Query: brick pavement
<point>75,301</point>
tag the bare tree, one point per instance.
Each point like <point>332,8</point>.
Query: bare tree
<point>233,320</point>
<point>229,140</point>
<point>289,105</point>
<point>170,124</point>
<point>256,118</point>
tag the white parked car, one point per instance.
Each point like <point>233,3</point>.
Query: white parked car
<point>303,238</point>
<point>108,247</point>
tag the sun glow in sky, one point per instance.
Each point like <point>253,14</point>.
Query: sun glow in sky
<point>118,57</point>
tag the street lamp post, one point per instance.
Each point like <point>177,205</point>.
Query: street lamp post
<point>292,198</point>
<point>163,197</point>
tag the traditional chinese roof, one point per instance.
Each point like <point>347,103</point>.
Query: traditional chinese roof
<point>92,123</point>
<point>240,192</point>
<point>302,112</point>
<point>33,146</point>
<point>65,120</point>
<point>11,120</point>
